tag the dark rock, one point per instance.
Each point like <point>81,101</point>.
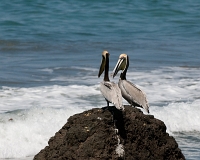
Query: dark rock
<point>91,135</point>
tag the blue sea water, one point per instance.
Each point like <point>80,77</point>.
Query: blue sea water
<point>50,53</point>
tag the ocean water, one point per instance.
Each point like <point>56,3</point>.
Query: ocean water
<point>50,53</point>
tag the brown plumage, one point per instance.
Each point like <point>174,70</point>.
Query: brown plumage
<point>131,93</point>
<point>109,90</point>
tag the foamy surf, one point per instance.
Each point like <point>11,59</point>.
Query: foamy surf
<point>179,117</point>
<point>46,96</point>
<point>25,132</point>
<point>30,116</point>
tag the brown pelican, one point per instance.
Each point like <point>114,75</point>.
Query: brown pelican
<point>130,92</point>
<point>109,90</point>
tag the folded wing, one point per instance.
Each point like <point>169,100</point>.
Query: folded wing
<point>133,94</point>
<point>112,93</point>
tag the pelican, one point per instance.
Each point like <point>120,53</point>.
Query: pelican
<point>131,93</point>
<point>109,90</point>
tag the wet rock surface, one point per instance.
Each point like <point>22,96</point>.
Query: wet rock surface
<point>109,134</point>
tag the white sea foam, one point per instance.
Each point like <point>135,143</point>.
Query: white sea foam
<point>30,116</point>
<point>179,117</point>
<point>46,96</point>
<point>49,70</point>
<point>24,133</point>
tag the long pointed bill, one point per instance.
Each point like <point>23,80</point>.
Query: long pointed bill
<point>117,67</point>
<point>102,67</point>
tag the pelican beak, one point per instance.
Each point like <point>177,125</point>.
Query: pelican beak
<point>118,66</point>
<point>102,67</point>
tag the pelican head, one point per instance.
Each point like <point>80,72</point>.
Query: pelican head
<point>104,62</point>
<point>122,64</point>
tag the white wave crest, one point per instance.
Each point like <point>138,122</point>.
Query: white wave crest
<point>24,133</point>
<point>179,117</point>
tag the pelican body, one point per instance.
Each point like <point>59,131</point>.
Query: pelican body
<point>109,90</point>
<point>132,94</point>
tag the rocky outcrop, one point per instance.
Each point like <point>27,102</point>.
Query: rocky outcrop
<point>109,134</point>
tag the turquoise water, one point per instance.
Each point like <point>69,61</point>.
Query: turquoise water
<point>50,52</point>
